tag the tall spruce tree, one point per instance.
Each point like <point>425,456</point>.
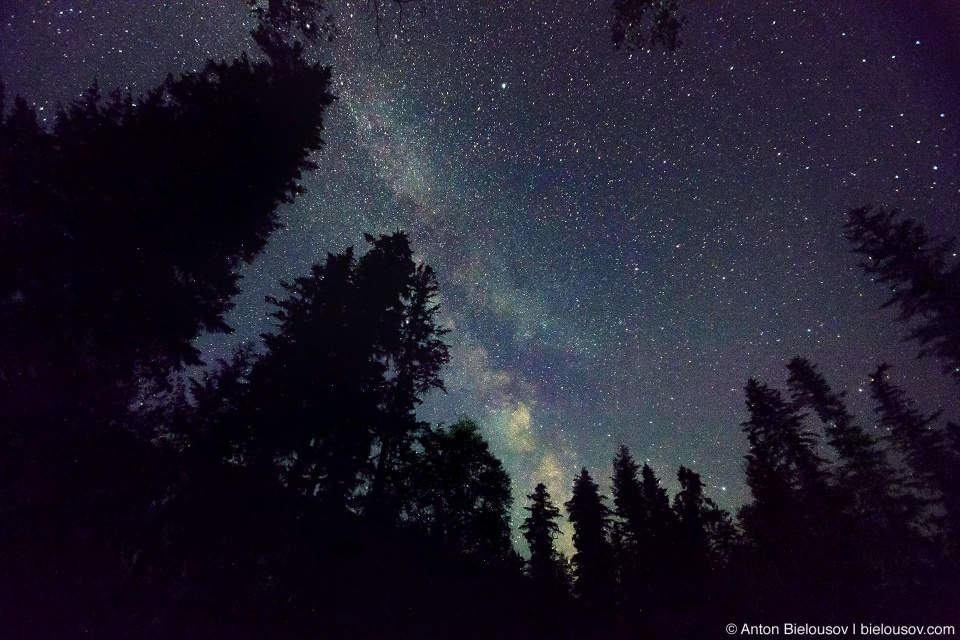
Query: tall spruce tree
<point>661,521</point>
<point>630,541</point>
<point>316,393</point>
<point>592,561</point>
<point>644,534</point>
<point>398,303</point>
<point>122,227</point>
<point>539,529</point>
<point>690,507</point>
<point>701,546</point>
<point>870,520</point>
<point>784,474</point>
<point>357,347</point>
<point>857,451</point>
<point>630,522</point>
<point>914,434</point>
<point>547,568</point>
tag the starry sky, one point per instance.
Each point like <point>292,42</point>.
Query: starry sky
<point>622,239</point>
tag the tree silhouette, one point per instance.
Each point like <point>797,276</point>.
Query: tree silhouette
<point>592,560</point>
<point>643,536</point>
<point>922,276</point>
<point>661,525</point>
<point>356,347</point>
<point>122,227</point>
<point>539,529</point>
<point>868,517</point>
<point>858,454</point>
<point>691,509</point>
<point>400,314</point>
<point>316,392</point>
<point>630,523</point>
<point>630,536</point>
<point>644,525</point>
<point>786,522</point>
<point>121,230</point>
<point>702,545</point>
<point>281,24</point>
<point>460,494</point>
<point>547,568</point>
<point>925,449</point>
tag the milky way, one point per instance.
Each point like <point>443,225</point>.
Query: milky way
<point>622,239</point>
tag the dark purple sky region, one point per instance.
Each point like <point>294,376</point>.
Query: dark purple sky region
<point>622,240</point>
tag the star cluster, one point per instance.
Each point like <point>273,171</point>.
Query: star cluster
<point>622,239</point>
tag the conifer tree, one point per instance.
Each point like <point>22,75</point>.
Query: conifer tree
<point>539,529</point>
<point>912,432</point>
<point>857,451</point>
<point>356,348</point>
<point>924,447</point>
<point>592,560</point>
<point>870,521</point>
<point>630,523</point>
<point>630,539</point>
<point>644,536</point>
<point>690,507</point>
<point>701,548</point>
<point>784,474</point>
<point>399,311</point>
<point>661,522</point>
<point>122,227</point>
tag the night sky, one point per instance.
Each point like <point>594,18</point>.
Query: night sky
<point>621,240</point>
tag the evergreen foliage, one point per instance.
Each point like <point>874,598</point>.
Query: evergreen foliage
<point>356,348</point>
<point>926,450</point>
<point>592,561</point>
<point>630,526</point>
<point>783,469</point>
<point>922,274</point>
<point>545,566</point>
<point>869,517</point>
<point>786,524</point>
<point>122,227</point>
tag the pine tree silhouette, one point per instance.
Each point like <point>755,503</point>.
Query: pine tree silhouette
<point>870,523</point>
<point>786,523</point>
<point>121,230</point>
<point>924,447</point>
<point>539,529</point>
<point>592,560</point>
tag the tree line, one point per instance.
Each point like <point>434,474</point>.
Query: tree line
<point>846,522</point>
<point>293,492</point>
